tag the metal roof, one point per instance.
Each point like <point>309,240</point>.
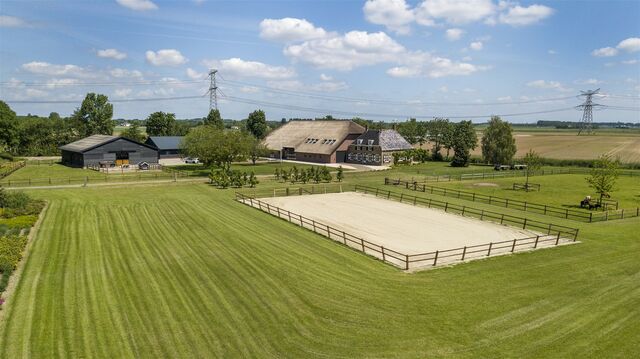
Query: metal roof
<point>318,136</point>
<point>88,143</point>
<point>165,142</point>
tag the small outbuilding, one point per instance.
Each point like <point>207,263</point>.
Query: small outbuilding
<point>376,147</point>
<point>107,151</point>
<point>168,146</point>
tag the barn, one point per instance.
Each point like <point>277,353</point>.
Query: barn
<point>376,147</point>
<point>107,151</point>
<point>168,146</point>
<point>320,141</point>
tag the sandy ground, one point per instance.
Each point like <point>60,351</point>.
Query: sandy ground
<point>398,226</point>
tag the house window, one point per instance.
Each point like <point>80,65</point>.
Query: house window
<point>359,141</point>
<point>370,142</point>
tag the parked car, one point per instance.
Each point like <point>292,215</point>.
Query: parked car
<point>501,167</point>
<point>191,160</point>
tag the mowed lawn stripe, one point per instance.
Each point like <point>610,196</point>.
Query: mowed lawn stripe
<point>185,271</point>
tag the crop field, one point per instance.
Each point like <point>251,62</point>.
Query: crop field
<point>562,145</point>
<point>174,270</point>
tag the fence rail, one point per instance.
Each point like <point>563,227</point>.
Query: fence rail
<point>555,234</point>
<point>543,209</point>
<point>484,215</point>
<point>514,173</point>
<point>112,178</point>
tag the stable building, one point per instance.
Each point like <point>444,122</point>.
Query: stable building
<point>320,141</point>
<point>376,147</point>
<point>168,146</point>
<point>107,151</point>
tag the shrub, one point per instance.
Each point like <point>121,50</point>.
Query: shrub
<point>11,248</point>
<point>19,221</point>
<point>6,156</point>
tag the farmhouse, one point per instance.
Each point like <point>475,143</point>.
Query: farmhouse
<point>107,151</point>
<point>168,146</point>
<point>376,147</point>
<point>319,141</point>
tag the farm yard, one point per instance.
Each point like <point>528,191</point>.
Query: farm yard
<point>170,257</point>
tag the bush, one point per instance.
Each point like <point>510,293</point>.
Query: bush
<point>11,248</point>
<point>20,222</point>
<point>6,156</point>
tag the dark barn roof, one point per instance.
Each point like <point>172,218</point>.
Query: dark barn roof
<point>94,141</point>
<point>389,140</point>
<point>165,142</point>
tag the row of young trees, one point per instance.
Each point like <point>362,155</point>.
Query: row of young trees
<point>311,174</point>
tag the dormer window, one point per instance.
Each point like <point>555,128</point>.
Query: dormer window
<point>370,142</point>
<point>359,141</point>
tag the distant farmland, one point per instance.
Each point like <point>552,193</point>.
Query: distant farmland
<point>562,145</point>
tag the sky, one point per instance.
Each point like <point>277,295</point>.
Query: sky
<point>377,59</point>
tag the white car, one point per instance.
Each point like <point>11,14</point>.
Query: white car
<point>191,160</point>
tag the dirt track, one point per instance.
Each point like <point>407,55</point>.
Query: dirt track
<point>401,227</point>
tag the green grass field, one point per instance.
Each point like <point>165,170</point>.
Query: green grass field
<point>182,270</point>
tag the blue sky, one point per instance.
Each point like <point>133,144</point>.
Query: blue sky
<point>380,59</point>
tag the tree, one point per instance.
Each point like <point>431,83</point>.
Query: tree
<point>436,132</point>
<point>498,144</point>
<point>214,119</point>
<point>8,128</point>
<point>133,132</point>
<point>533,161</point>
<point>258,149</point>
<point>340,174</point>
<point>448,138</point>
<point>464,140</point>
<point>217,147</point>
<point>161,124</point>
<point>253,180</point>
<point>604,175</point>
<point>257,124</point>
<point>94,115</point>
<point>413,131</point>
<point>54,116</point>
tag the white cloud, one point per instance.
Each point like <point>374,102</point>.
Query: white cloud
<point>630,62</point>
<point>454,34</point>
<point>631,44</point>
<point>11,21</point>
<point>165,57</point>
<point>112,54</point>
<point>476,45</point>
<point>124,73</point>
<point>552,52</point>
<point>239,67</point>
<point>138,5</point>
<point>122,92</point>
<point>521,16</point>
<point>605,52</point>
<point>351,50</point>
<point>45,68</point>
<point>453,11</point>
<point>589,82</point>
<point>249,89</point>
<point>290,29</point>
<point>396,15</point>
<point>403,71</point>
<point>295,85</point>
<point>195,75</point>
<point>324,77</point>
<point>549,85</point>
<point>505,98</point>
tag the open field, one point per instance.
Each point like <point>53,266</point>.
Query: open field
<point>561,145</point>
<point>175,271</point>
<point>397,226</point>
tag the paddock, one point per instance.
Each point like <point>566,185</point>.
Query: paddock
<point>403,228</point>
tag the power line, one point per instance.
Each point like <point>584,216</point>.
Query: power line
<point>109,83</point>
<point>322,96</point>
<point>149,99</point>
<point>378,115</point>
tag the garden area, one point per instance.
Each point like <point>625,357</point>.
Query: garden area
<point>18,213</point>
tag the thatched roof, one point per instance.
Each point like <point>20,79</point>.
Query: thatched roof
<point>320,136</point>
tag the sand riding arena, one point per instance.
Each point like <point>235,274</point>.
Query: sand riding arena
<point>408,231</point>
